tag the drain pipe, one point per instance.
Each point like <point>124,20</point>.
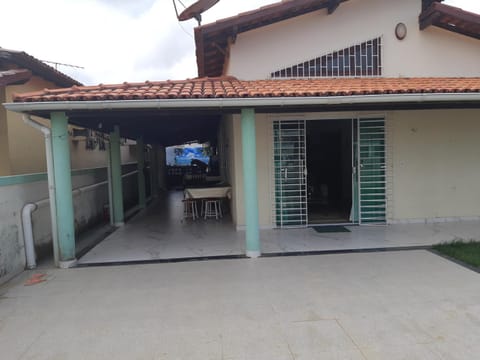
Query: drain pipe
<point>28,235</point>
<point>51,181</point>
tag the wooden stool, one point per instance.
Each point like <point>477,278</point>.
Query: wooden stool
<point>190,209</point>
<point>212,209</point>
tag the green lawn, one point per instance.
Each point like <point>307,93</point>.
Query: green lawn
<point>468,252</point>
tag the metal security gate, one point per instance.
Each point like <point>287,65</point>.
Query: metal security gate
<point>290,173</point>
<point>371,171</point>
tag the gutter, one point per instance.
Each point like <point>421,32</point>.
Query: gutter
<point>241,102</point>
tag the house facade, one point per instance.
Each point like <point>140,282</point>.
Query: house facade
<point>421,152</point>
<point>327,112</point>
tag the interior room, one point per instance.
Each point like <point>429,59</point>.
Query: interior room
<point>329,171</point>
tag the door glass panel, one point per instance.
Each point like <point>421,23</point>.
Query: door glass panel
<point>371,173</point>
<point>289,169</point>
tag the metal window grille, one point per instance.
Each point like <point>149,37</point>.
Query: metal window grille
<point>290,190</point>
<point>361,60</point>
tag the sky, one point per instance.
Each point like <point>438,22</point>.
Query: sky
<point>118,40</point>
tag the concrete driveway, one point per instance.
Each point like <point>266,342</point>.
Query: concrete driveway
<point>389,305</point>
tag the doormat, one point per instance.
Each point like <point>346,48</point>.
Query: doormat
<point>330,229</point>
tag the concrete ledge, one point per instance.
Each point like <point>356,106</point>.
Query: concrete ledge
<point>67,264</point>
<point>253,254</point>
<point>435,220</point>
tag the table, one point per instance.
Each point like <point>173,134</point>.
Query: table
<point>209,192</point>
<point>211,198</point>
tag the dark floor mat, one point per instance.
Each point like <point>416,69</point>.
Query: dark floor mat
<point>330,229</point>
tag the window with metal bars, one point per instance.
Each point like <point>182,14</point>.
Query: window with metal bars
<point>361,60</point>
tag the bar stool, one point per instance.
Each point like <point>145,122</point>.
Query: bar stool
<point>212,209</point>
<point>190,209</point>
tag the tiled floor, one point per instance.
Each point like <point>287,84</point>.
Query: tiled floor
<point>375,306</point>
<point>161,233</point>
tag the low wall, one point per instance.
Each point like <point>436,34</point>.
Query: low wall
<point>16,191</point>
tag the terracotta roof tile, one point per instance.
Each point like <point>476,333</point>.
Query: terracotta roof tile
<point>230,87</point>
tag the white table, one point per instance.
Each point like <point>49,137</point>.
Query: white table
<point>209,192</point>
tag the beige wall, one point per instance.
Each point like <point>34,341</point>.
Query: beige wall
<point>433,166</point>
<point>26,146</point>
<point>436,164</point>
<point>432,52</point>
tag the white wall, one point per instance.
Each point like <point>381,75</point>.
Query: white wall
<point>88,209</point>
<point>432,52</point>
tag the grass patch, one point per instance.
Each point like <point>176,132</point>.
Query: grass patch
<point>467,252</point>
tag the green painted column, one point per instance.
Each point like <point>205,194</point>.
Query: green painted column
<point>116,177</point>
<point>63,189</point>
<point>249,152</point>
<point>142,202</point>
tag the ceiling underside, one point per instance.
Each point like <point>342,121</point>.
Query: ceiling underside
<point>154,127</point>
<point>176,126</point>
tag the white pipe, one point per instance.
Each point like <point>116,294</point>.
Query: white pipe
<point>28,235</point>
<point>51,181</point>
<point>242,102</point>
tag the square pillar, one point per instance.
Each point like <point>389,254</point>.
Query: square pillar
<point>63,189</point>
<point>116,207</point>
<point>154,171</point>
<point>142,202</point>
<point>249,152</point>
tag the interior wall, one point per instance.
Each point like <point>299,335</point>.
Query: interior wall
<point>436,168</point>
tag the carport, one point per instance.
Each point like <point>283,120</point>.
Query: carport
<point>163,113</point>
<point>171,112</point>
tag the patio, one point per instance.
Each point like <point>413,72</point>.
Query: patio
<point>159,233</point>
<point>390,305</point>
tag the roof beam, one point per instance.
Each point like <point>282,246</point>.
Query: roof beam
<point>14,76</point>
<point>332,6</point>
<point>427,3</point>
<point>452,19</point>
<point>428,17</point>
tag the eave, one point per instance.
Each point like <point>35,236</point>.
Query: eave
<point>452,19</point>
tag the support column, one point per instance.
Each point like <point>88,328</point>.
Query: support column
<point>249,152</point>
<point>154,171</point>
<point>63,189</point>
<point>142,203</point>
<point>116,174</point>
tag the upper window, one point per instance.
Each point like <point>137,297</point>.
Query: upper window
<point>361,60</point>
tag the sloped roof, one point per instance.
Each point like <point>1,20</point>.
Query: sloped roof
<point>213,40</point>
<point>230,87</point>
<point>37,67</point>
